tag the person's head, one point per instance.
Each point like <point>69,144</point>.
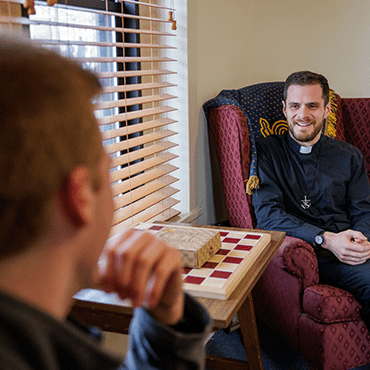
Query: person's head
<point>306,105</point>
<point>48,129</point>
<point>304,78</point>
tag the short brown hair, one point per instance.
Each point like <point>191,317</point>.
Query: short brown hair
<point>307,78</point>
<point>47,129</point>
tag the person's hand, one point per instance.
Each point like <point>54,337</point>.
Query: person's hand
<point>350,247</point>
<point>146,270</point>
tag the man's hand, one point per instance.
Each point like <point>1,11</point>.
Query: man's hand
<point>146,270</point>
<point>349,246</point>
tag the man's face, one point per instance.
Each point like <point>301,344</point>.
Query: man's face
<point>305,111</point>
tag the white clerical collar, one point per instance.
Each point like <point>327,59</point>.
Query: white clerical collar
<point>305,149</point>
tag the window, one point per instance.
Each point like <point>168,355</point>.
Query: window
<point>124,43</point>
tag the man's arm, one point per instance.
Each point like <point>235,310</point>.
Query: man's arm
<point>352,246</point>
<point>169,328</point>
<point>157,346</point>
<point>358,196</point>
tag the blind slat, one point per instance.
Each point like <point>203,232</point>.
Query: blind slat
<point>38,22</point>
<point>141,180</point>
<point>143,191</point>
<point>135,114</point>
<point>105,44</point>
<point>165,215</point>
<point>132,129</point>
<point>12,1</point>
<point>152,5</point>
<point>142,166</point>
<point>145,139</point>
<point>137,73</point>
<point>125,60</point>
<point>124,159</point>
<point>134,101</point>
<point>137,87</point>
<point>143,204</point>
<point>14,20</point>
<point>146,215</point>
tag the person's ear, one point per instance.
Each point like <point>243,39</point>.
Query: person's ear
<point>78,196</point>
<point>284,108</point>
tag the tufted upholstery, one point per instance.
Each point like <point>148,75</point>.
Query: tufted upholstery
<point>231,140</point>
<point>322,323</point>
<point>356,113</point>
<point>327,304</point>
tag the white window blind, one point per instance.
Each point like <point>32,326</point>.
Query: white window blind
<point>124,42</point>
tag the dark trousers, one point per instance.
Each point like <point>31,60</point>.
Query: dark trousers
<point>354,279</point>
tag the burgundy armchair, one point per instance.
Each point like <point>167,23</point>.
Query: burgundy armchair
<point>320,322</point>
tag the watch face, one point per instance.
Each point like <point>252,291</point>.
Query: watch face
<point>319,239</point>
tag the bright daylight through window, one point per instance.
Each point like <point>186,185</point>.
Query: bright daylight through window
<point>124,42</point>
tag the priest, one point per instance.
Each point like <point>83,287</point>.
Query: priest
<point>316,188</point>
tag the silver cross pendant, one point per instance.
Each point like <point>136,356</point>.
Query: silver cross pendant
<point>305,203</point>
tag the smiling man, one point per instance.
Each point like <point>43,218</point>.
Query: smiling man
<point>316,188</point>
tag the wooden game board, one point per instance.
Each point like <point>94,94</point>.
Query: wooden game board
<point>218,277</point>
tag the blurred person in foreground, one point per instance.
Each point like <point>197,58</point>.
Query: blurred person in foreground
<point>56,211</point>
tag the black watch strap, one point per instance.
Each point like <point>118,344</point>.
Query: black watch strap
<point>319,239</point>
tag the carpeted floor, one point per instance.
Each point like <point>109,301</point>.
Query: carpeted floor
<point>276,354</point>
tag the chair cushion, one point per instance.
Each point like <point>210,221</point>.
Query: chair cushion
<point>328,304</point>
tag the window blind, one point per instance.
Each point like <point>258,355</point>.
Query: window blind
<point>124,42</point>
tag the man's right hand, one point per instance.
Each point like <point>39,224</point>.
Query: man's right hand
<point>350,247</point>
<point>143,268</point>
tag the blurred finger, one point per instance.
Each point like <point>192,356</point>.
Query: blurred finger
<point>127,252</point>
<point>144,267</point>
<point>167,278</point>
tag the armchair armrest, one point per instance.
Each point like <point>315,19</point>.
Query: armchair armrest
<point>279,292</point>
<point>298,258</point>
<point>328,304</point>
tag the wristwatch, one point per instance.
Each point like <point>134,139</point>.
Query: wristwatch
<point>319,239</point>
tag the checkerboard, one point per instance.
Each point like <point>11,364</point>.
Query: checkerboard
<point>219,276</point>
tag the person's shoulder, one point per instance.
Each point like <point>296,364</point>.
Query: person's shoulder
<point>270,141</point>
<point>339,145</point>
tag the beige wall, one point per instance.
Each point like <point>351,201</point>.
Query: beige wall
<point>238,42</point>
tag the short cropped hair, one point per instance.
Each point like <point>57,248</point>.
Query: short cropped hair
<point>307,78</point>
<point>47,128</point>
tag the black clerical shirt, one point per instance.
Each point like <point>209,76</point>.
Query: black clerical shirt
<point>302,194</point>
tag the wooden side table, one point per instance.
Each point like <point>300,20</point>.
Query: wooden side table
<point>106,311</point>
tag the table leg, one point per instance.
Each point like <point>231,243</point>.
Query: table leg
<point>248,327</point>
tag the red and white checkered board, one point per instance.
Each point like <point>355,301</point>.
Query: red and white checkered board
<point>218,277</point>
